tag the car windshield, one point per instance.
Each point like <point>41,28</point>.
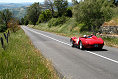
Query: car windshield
<point>89,36</point>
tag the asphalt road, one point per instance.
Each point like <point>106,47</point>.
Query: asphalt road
<point>74,63</point>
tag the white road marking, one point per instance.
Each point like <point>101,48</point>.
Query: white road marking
<point>50,37</point>
<point>103,57</point>
<point>71,45</point>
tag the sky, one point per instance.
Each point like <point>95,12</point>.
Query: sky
<point>21,1</point>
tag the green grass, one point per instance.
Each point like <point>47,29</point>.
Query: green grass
<point>20,60</point>
<point>111,41</point>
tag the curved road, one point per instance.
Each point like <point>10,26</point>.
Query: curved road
<point>74,63</point>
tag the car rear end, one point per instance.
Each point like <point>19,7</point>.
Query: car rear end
<point>94,43</point>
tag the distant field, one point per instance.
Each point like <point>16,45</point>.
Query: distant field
<point>20,60</point>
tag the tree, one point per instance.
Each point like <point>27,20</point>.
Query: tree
<point>115,2</point>
<point>61,6</point>
<point>48,15</point>
<point>5,16</point>
<point>93,13</point>
<point>26,21</point>
<point>44,16</point>
<point>75,2</point>
<point>50,4</point>
<point>69,12</point>
<point>13,24</point>
<point>1,21</point>
<point>22,21</point>
<point>33,13</point>
<point>2,27</point>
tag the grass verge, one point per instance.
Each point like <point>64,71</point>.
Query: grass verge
<point>68,30</point>
<point>20,60</point>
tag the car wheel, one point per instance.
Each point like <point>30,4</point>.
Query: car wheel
<point>81,46</point>
<point>100,48</point>
<point>73,45</point>
<point>71,41</point>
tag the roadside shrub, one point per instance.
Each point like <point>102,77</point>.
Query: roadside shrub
<point>57,21</point>
<point>52,22</point>
<point>41,18</point>
<point>13,24</point>
<point>3,28</point>
<point>115,12</point>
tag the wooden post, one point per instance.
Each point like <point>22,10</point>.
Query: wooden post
<point>2,42</point>
<point>8,32</point>
<point>5,35</point>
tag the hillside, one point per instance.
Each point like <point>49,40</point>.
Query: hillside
<point>19,12</point>
<point>18,9</point>
<point>13,5</point>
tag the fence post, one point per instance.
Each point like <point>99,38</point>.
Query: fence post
<point>2,42</point>
<point>8,32</point>
<point>5,35</point>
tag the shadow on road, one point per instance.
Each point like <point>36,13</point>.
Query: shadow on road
<point>92,49</point>
<point>95,49</point>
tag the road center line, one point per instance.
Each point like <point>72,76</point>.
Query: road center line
<point>50,37</point>
<point>102,57</point>
<point>70,45</point>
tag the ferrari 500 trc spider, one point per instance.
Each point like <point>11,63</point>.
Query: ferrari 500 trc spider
<point>90,41</point>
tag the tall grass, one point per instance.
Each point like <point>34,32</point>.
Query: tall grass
<point>20,60</point>
<point>111,41</point>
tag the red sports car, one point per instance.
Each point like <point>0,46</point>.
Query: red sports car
<point>90,41</point>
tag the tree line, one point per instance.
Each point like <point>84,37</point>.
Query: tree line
<point>56,8</point>
<point>92,13</point>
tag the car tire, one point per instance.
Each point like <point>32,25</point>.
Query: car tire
<point>71,41</point>
<point>80,45</point>
<point>73,45</point>
<point>100,48</point>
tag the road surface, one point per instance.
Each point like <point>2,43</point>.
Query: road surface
<point>74,63</point>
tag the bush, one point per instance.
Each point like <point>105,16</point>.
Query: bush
<point>115,12</point>
<point>44,16</point>
<point>13,24</point>
<point>3,28</point>
<point>41,18</point>
<point>57,21</point>
<point>68,12</point>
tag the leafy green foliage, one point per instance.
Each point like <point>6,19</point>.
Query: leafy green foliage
<point>13,24</point>
<point>75,2</point>
<point>45,16</point>
<point>57,21</point>
<point>115,2</point>
<point>26,21</point>
<point>33,13</point>
<point>2,28</point>
<point>93,13</point>
<point>5,16</point>
<point>22,21</point>
<point>68,12</point>
<point>61,6</point>
<point>50,5</point>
